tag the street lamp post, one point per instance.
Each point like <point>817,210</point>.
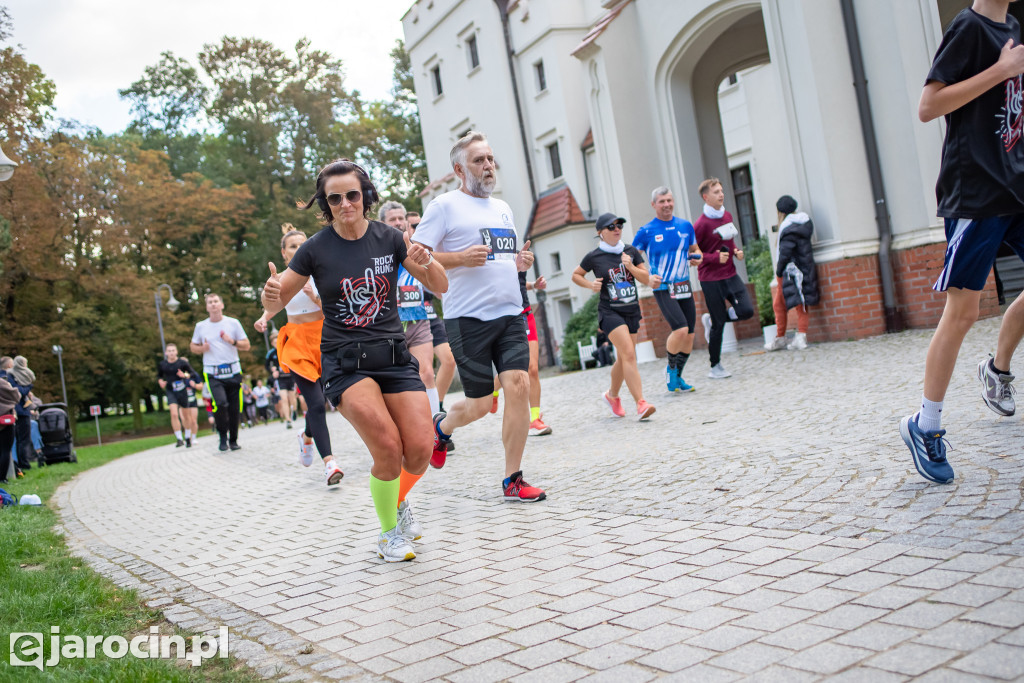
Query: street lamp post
<point>58,351</point>
<point>172,304</point>
<point>7,166</point>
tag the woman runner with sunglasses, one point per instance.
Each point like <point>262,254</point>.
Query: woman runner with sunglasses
<point>368,372</point>
<point>298,353</point>
<point>617,267</point>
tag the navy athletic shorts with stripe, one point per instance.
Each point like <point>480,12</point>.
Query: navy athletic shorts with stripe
<point>972,246</point>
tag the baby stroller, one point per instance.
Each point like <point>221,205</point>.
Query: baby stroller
<point>55,429</point>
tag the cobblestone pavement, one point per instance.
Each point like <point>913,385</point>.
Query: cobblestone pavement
<point>768,526</point>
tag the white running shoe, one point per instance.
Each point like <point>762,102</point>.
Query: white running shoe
<point>407,524</point>
<point>305,451</point>
<point>997,390</point>
<point>776,344</point>
<point>799,342</point>
<point>392,546</point>
<point>332,473</point>
<point>718,372</point>
<point>705,320</point>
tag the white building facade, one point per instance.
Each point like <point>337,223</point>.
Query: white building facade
<point>618,97</point>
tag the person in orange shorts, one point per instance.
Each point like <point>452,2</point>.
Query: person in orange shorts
<point>298,352</point>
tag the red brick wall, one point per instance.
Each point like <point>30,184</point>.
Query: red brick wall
<point>851,305</point>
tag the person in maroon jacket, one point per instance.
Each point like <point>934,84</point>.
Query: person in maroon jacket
<point>725,294</point>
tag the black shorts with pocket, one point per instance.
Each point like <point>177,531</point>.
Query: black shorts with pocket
<point>178,397</point>
<point>394,379</point>
<point>480,344</point>
<point>609,318</point>
<point>679,313</point>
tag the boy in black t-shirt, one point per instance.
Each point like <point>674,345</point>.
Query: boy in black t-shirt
<point>975,82</point>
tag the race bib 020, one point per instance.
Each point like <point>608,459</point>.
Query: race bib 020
<point>177,385</point>
<point>502,243</point>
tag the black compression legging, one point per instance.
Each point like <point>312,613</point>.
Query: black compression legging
<point>316,413</point>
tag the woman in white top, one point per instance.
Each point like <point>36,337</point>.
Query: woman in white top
<point>298,352</point>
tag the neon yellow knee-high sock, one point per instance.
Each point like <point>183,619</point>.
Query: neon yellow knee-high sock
<point>385,501</point>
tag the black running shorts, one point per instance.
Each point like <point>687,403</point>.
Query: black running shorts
<point>479,344</point>
<point>437,329</point>
<point>678,313</point>
<point>285,382</point>
<point>391,380</point>
<point>178,397</point>
<point>609,318</point>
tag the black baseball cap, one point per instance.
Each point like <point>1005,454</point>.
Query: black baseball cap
<point>607,219</point>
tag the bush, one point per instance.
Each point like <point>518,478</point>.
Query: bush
<point>760,272</point>
<point>580,328</point>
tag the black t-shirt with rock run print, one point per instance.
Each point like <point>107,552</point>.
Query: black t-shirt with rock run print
<point>619,288</point>
<point>982,171</point>
<point>357,281</point>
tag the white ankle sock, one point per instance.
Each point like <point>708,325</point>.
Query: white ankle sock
<point>732,314</point>
<point>188,433</point>
<point>435,403</point>
<point>177,434</point>
<point>930,417</point>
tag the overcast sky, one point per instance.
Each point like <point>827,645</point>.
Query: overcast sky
<point>93,48</point>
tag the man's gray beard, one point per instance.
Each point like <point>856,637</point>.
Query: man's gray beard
<point>476,186</point>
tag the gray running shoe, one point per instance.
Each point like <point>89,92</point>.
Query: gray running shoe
<point>718,372</point>
<point>996,389</point>
<point>407,524</point>
<point>705,320</point>
<point>392,546</point>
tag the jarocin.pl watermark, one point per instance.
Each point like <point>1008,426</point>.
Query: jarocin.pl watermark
<point>27,648</point>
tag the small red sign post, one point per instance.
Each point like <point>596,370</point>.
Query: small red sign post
<point>96,411</point>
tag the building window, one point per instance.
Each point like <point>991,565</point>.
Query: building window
<point>435,80</point>
<point>471,53</point>
<point>554,160</point>
<point>556,262</point>
<point>538,72</point>
<point>746,216</point>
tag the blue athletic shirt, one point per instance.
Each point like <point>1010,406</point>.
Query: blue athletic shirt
<point>667,244</point>
<point>410,297</point>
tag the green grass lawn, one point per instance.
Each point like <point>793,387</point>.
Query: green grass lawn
<point>43,585</point>
<point>119,427</point>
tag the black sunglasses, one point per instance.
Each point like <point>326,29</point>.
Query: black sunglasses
<point>352,196</point>
<point>615,226</point>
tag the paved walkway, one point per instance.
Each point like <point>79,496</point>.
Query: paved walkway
<point>770,525</point>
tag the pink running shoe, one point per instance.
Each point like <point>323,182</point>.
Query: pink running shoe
<point>615,404</point>
<point>644,410</point>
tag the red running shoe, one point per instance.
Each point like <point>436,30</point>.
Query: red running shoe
<point>440,454</point>
<point>518,491</point>
<point>494,404</point>
<point>644,410</point>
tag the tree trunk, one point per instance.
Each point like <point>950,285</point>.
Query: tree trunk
<point>136,408</point>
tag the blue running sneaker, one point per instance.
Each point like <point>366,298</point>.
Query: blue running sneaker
<point>929,450</point>
<point>681,385</point>
<point>671,378</point>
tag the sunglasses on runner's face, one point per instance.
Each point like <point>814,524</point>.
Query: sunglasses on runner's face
<point>614,226</point>
<point>352,196</point>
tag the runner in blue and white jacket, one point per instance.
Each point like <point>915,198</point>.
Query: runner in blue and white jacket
<point>669,244</point>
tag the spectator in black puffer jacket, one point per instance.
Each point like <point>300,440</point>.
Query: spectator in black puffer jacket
<point>796,284</point>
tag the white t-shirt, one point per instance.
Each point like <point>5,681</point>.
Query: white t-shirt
<point>261,394</point>
<point>221,352</point>
<point>456,221</point>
